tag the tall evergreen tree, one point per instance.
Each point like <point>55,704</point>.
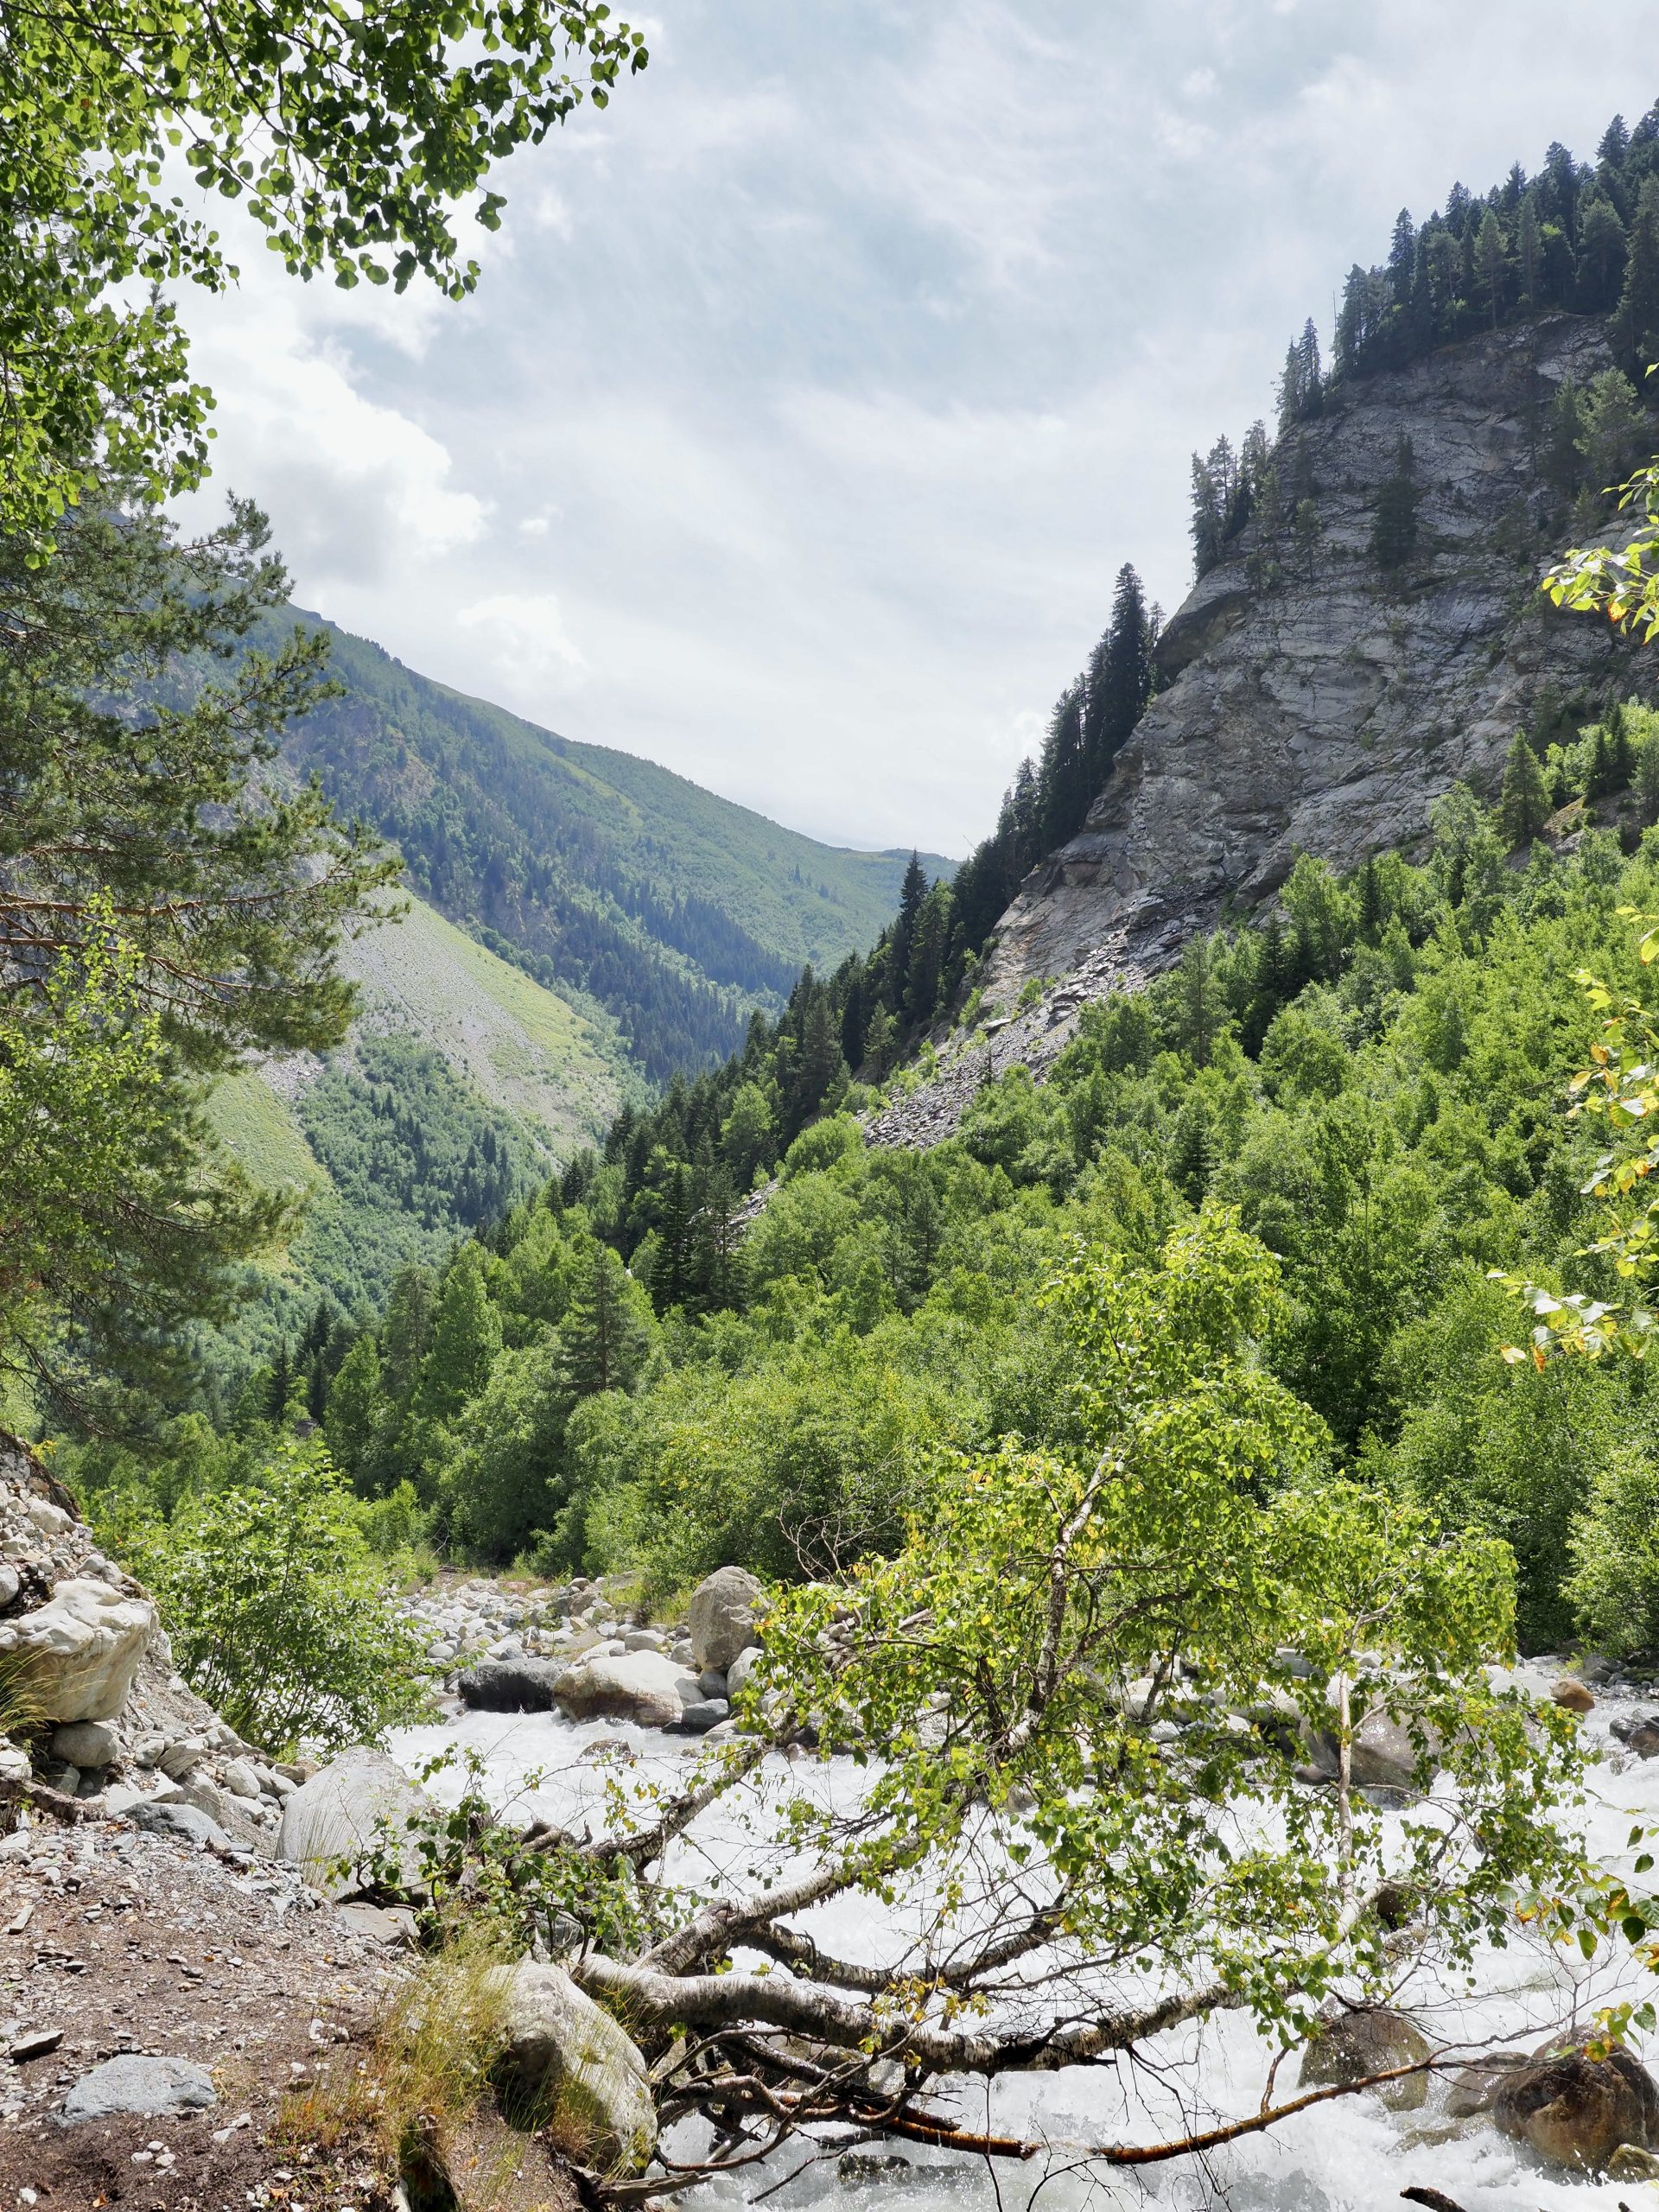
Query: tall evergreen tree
<point>1601,254</point>
<point>1393,525</point>
<point>466,1337</point>
<point>603,1335</point>
<point>1065,769</point>
<point>1636,324</point>
<point>1491,264</point>
<point>1529,253</point>
<point>1523,804</point>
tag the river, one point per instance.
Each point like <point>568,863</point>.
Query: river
<point>1346,2156</point>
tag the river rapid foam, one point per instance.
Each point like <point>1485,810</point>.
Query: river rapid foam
<point>1346,2156</point>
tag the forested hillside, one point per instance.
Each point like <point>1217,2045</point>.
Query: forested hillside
<point>599,872</point>
<point>1374,1078</point>
<point>462,1085</point>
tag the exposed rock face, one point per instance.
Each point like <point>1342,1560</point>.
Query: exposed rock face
<point>1350,2046</point>
<point>83,1646</point>
<point>1328,711</point>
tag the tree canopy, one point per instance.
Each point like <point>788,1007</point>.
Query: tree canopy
<point>352,136</point>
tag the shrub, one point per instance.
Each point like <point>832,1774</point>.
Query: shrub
<point>1614,1585</point>
<point>280,1614</point>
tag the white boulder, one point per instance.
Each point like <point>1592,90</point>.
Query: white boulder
<point>83,1644</point>
<point>721,1616</point>
<point>639,1685</point>
<point>573,2067</point>
<point>339,1816</point>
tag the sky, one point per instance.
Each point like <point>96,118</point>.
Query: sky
<point>815,392</point>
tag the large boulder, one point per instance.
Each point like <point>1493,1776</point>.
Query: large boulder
<point>359,1800</point>
<point>1474,2088</point>
<point>722,1616</point>
<point>83,1647</point>
<point>510,1685</point>
<point>151,2087</point>
<point>1349,2045</point>
<point>568,2066</point>
<point>1575,2110</point>
<point>639,1685</point>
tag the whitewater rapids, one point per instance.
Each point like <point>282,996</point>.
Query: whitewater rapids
<point>1347,2155</point>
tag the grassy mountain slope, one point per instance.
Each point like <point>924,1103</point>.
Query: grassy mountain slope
<point>462,1082</point>
<point>674,910</point>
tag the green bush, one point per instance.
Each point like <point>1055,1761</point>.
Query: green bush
<point>280,1614</point>
<point>1614,1586</point>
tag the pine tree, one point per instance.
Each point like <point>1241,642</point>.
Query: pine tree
<point>466,1339</point>
<point>356,1408</point>
<point>280,1385</point>
<point>1064,772</point>
<point>407,1335</point>
<point>1523,804</point>
<point>1491,262</point>
<point>1636,324</point>
<point>1601,254</point>
<point>1208,516</point>
<point>1121,677</point>
<point>1528,252</point>
<point>911,892</point>
<point>1200,999</point>
<point>1645,780</point>
<point>1393,525</point>
<point>603,1337</point>
<point>1563,457</point>
<point>1614,431</point>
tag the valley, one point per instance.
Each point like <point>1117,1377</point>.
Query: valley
<point>689,1517</point>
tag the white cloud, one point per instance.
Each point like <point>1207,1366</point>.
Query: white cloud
<point>817,389</point>
<point>527,632</point>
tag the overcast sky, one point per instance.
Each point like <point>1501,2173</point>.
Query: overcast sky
<point>815,392</point>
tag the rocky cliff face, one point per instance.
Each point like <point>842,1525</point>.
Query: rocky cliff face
<point>1326,711</point>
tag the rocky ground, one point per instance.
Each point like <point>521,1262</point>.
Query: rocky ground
<point>117,1945</point>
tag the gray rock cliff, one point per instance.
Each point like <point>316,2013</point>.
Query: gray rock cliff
<point>1326,710</point>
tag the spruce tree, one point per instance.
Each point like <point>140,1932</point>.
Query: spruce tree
<point>280,1384</point>
<point>1528,252</point>
<point>356,1409</point>
<point>603,1337</point>
<point>1601,254</point>
<point>1491,263</point>
<point>1393,525</point>
<point>912,891</point>
<point>1064,771</point>
<point>1563,457</point>
<point>1636,324</point>
<point>1207,519</point>
<point>1523,804</point>
<point>466,1338</point>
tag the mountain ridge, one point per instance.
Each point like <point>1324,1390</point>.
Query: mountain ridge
<point>598,872</point>
<point>1326,709</point>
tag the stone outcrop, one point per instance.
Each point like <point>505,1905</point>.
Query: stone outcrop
<point>1326,710</point>
<point>1351,2044</point>
<point>1576,2111</point>
<point>639,1685</point>
<point>81,1647</point>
